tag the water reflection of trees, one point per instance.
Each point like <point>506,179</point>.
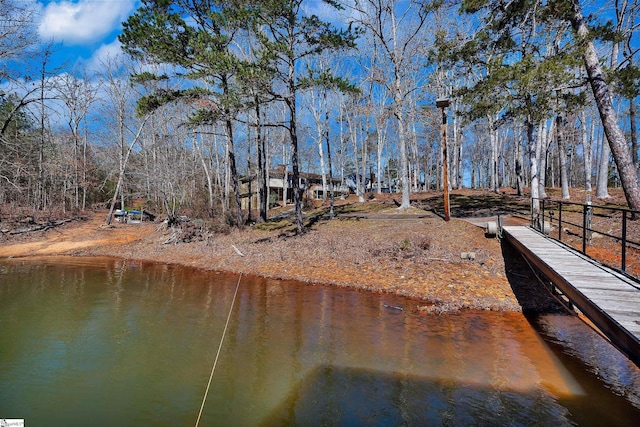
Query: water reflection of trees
<point>288,345</point>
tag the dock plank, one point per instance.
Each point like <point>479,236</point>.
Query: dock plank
<point>609,299</point>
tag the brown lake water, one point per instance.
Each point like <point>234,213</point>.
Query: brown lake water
<point>93,342</point>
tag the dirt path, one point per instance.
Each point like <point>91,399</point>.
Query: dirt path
<point>76,236</point>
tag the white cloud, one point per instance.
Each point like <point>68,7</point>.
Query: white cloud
<point>330,14</point>
<point>84,21</point>
<point>321,9</point>
<point>104,53</point>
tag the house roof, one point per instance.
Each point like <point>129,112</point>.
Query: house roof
<point>279,173</point>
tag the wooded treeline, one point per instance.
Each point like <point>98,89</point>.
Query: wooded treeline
<point>209,96</point>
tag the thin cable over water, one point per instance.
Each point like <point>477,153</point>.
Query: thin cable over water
<point>215,362</point>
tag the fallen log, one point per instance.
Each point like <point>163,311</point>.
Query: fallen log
<point>40,227</point>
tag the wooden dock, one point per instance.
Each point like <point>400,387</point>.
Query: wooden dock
<point>607,298</point>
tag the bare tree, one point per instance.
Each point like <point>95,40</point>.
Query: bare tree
<point>562,153</point>
<point>17,34</point>
<point>587,132</point>
<point>317,105</point>
<point>542,154</point>
<point>77,94</point>
<point>118,104</point>
<point>28,96</point>
<point>123,167</point>
<point>289,37</point>
<point>627,12</point>
<point>397,28</point>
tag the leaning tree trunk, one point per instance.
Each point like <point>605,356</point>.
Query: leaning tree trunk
<point>615,136</point>
<point>123,167</point>
<point>633,113</point>
<point>602,179</point>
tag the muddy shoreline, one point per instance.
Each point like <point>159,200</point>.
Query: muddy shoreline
<point>414,254</point>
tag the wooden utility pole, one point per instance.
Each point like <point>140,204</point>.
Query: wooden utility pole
<point>442,104</point>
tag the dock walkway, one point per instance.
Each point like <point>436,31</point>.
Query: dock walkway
<point>607,298</point>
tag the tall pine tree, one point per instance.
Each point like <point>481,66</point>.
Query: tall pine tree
<point>288,36</point>
<point>195,37</point>
<point>529,68</point>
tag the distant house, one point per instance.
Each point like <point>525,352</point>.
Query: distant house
<point>281,191</point>
<point>370,183</point>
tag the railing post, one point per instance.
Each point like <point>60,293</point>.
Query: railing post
<point>624,240</point>
<point>541,223</point>
<point>584,229</point>
<point>589,218</point>
<point>531,209</point>
<point>560,221</point>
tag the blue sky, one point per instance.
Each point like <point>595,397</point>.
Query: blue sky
<point>83,31</point>
<point>86,31</point>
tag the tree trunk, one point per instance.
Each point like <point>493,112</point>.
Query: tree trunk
<point>316,111</point>
<point>615,136</point>
<point>285,177</point>
<point>326,133</point>
<point>293,134</point>
<point>602,179</point>
<point>217,167</point>
<point>403,172</point>
<point>519,161</point>
<point>233,170</point>
<point>363,165</point>
<point>533,165</point>
<point>473,176</point>
<point>84,165</point>
<point>207,172</point>
<point>41,190</point>
<point>263,187</point>
<point>541,154</point>
<point>226,192</point>
<point>586,150</point>
<point>458,132</point>
<point>295,171</point>
<point>123,167</point>
<point>379,147</point>
<point>235,181</point>
<point>354,137</point>
<point>562,155</point>
<point>633,113</point>
<point>493,164</point>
